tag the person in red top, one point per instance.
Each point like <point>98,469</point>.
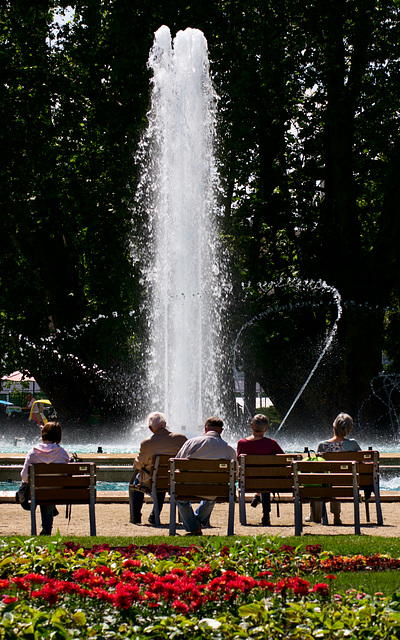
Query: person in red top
<point>258,444</point>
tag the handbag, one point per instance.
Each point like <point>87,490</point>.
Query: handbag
<point>22,496</point>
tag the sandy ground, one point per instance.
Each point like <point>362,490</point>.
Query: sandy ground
<point>113,520</point>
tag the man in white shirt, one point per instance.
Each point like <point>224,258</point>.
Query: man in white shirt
<point>209,446</point>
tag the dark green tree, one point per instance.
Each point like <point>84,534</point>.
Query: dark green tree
<point>73,101</point>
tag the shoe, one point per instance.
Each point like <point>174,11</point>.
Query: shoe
<point>152,519</point>
<point>266,521</point>
<point>45,533</point>
<point>337,521</point>
<point>256,501</point>
<point>136,520</point>
<point>198,532</point>
<point>311,519</point>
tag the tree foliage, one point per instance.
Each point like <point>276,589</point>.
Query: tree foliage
<point>308,152</point>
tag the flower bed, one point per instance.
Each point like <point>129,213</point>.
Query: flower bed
<point>163,591</point>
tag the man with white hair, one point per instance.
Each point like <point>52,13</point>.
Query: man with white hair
<point>162,442</point>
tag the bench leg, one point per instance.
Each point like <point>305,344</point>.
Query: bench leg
<point>231,516</point>
<point>92,519</point>
<point>242,508</point>
<point>367,516</point>
<point>131,490</point>
<point>324,514</point>
<point>33,518</point>
<point>298,517</point>
<point>156,510</point>
<point>357,529</point>
<point>172,515</point>
<point>379,517</point>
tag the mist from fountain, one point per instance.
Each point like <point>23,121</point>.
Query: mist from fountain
<point>187,274</point>
<point>298,285</point>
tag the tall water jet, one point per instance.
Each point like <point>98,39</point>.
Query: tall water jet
<point>186,273</point>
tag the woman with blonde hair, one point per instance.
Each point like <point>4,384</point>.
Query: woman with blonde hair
<point>342,426</point>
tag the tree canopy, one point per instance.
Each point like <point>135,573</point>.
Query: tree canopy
<point>308,155</point>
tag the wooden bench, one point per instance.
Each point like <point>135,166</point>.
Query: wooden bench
<point>199,479</point>
<point>73,483</point>
<point>368,475</point>
<point>159,484</point>
<point>325,482</point>
<point>264,474</point>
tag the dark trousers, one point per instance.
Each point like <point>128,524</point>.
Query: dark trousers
<point>266,503</point>
<point>137,503</point>
<point>47,514</point>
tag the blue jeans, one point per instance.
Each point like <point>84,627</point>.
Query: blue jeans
<point>193,520</point>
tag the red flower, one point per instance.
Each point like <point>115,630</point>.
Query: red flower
<point>315,549</point>
<point>132,563</point>
<point>4,584</point>
<point>287,548</point>
<point>321,588</point>
<point>102,594</point>
<point>9,599</point>
<point>178,572</point>
<point>179,606</point>
<point>103,570</point>
<point>299,586</point>
<point>48,592</point>
<point>20,583</point>
<point>35,577</point>
<point>201,574</point>
<point>125,595</point>
<point>264,574</point>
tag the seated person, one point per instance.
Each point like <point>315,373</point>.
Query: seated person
<point>47,451</point>
<point>208,446</point>
<point>342,426</point>
<point>258,444</point>
<point>162,442</point>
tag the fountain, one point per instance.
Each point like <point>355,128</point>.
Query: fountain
<point>187,274</point>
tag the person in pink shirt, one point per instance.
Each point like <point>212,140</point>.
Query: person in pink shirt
<point>48,450</point>
<point>258,444</point>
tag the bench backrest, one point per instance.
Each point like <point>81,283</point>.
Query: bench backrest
<point>322,481</point>
<point>272,473</point>
<point>192,478</point>
<point>160,473</point>
<point>54,483</point>
<point>368,464</point>
<point>314,480</point>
